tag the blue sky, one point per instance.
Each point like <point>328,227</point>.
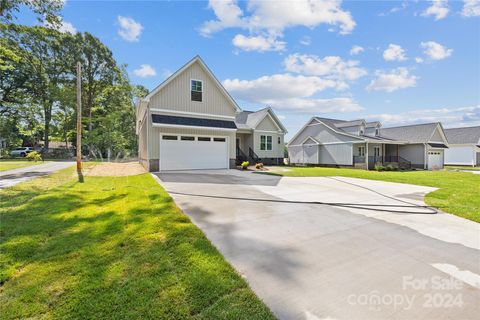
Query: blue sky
<point>415,61</point>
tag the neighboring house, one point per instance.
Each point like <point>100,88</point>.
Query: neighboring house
<point>361,144</point>
<point>464,146</point>
<point>191,122</point>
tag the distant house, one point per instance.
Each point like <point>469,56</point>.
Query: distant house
<point>464,146</point>
<point>362,144</point>
<point>191,122</point>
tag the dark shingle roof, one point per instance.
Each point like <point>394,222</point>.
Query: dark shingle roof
<point>417,133</point>
<point>195,122</point>
<point>467,135</point>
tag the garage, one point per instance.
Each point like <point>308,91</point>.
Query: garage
<point>435,159</point>
<point>186,152</point>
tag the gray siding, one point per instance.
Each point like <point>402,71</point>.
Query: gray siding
<point>437,137</point>
<point>336,154</point>
<point>307,153</point>
<point>415,153</point>
<point>176,94</point>
<point>322,134</point>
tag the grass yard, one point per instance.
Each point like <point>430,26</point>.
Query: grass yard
<point>15,164</point>
<point>459,192</point>
<point>111,248</point>
<point>462,168</point>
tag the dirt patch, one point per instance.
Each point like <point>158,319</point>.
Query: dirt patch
<point>115,169</point>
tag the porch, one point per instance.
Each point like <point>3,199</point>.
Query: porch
<point>367,155</point>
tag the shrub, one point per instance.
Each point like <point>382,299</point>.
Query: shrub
<point>379,167</point>
<point>245,165</point>
<point>259,165</point>
<point>34,156</point>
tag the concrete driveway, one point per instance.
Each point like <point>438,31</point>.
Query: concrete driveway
<point>312,261</point>
<point>12,177</point>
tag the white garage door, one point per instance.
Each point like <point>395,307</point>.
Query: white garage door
<point>179,152</point>
<point>435,160</point>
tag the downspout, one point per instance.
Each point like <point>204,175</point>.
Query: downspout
<point>425,157</point>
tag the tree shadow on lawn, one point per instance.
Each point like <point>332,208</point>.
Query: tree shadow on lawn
<point>122,254</point>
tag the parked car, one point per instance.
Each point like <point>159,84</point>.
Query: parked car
<point>21,152</point>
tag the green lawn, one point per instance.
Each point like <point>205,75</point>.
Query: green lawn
<point>111,248</point>
<point>462,168</point>
<point>14,164</point>
<point>459,192</point>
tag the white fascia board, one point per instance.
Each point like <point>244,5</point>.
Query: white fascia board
<point>303,128</point>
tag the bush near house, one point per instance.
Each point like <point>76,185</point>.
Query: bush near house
<point>34,156</point>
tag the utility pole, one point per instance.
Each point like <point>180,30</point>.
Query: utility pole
<point>79,122</point>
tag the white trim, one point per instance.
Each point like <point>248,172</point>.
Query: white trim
<point>266,131</point>
<point>310,138</point>
<point>442,133</point>
<point>301,129</point>
<point>166,111</point>
<point>327,143</point>
<point>201,81</point>
<point>209,72</point>
<point>173,126</point>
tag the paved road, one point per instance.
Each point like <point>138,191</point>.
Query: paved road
<point>310,261</point>
<point>10,178</point>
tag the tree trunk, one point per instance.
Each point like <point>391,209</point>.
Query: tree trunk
<point>48,117</point>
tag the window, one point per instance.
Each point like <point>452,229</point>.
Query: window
<point>204,139</point>
<point>279,140</point>
<point>361,151</point>
<point>196,90</point>
<point>169,137</point>
<point>187,138</point>
<point>265,142</point>
<point>377,132</point>
<point>376,151</point>
<point>219,139</point>
<point>361,132</point>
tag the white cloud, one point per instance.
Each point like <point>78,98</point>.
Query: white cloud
<point>356,50</point>
<point>436,51</point>
<point>145,71</point>
<point>418,59</point>
<point>391,81</point>
<point>402,7</point>
<point>290,92</point>
<point>306,41</point>
<point>471,8</point>
<point>65,27</point>
<point>271,18</point>
<point>330,67</point>
<point>449,117</point>
<point>258,43</point>
<point>394,52</point>
<point>130,30</point>
<point>315,106</point>
<point>438,9</point>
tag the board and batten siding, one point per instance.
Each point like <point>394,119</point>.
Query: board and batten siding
<point>336,154</point>
<point>176,94</point>
<point>415,153</point>
<point>460,155</point>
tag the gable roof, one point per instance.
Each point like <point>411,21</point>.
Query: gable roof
<point>417,133</point>
<point>353,123</point>
<point>466,135</point>
<point>251,119</point>
<point>198,60</point>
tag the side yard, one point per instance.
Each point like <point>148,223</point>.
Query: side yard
<point>15,164</point>
<point>112,247</point>
<point>458,191</point>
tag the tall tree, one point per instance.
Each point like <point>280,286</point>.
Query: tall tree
<point>46,10</point>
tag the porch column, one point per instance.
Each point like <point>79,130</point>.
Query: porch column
<point>366,154</point>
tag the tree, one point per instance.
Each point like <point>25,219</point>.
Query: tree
<point>47,10</point>
<point>42,69</point>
